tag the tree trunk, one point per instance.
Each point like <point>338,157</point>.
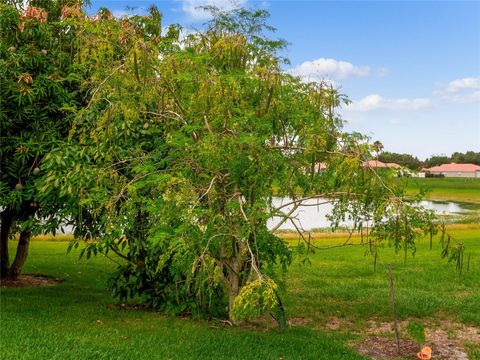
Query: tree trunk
<point>7,221</point>
<point>21,256</point>
<point>233,290</point>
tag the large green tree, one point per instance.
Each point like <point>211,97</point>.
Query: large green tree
<point>174,158</point>
<point>40,89</point>
<point>406,160</point>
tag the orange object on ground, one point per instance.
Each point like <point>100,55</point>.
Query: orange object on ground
<point>425,353</point>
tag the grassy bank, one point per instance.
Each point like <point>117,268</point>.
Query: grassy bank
<point>78,319</point>
<point>341,282</point>
<point>448,189</point>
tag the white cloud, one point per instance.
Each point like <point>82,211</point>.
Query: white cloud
<point>463,98</point>
<point>377,102</point>
<point>331,69</point>
<point>191,7</point>
<point>383,71</point>
<point>121,13</point>
<point>460,91</point>
<point>463,84</point>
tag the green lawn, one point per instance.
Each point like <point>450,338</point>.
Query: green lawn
<point>453,189</point>
<point>79,320</point>
<point>341,282</point>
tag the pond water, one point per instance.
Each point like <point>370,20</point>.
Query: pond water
<point>314,213</point>
<point>445,207</point>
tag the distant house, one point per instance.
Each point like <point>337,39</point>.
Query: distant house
<point>455,170</point>
<point>379,164</point>
<point>319,167</point>
<point>394,165</point>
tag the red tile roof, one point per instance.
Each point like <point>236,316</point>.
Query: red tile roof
<point>455,168</point>
<point>375,164</point>
<point>379,164</point>
<point>393,165</point>
<point>320,166</point>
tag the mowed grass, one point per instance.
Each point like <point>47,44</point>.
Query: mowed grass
<point>78,319</point>
<point>448,189</point>
<point>341,282</point>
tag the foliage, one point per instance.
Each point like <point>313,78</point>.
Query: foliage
<point>377,147</point>
<point>416,331</point>
<point>405,160</point>
<point>436,160</point>
<point>41,91</point>
<point>413,163</point>
<point>172,162</point>
<point>469,157</point>
<point>256,298</point>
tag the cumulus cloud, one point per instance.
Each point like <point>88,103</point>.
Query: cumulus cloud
<point>377,102</point>
<point>463,98</point>
<point>461,91</point>
<point>193,10</point>
<point>329,69</point>
<point>458,85</point>
<point>127,12</point>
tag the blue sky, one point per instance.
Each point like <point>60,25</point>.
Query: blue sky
<point>411,68</point>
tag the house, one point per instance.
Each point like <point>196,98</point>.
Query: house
<point>379,164</point>
<point>319,167</point>
<point>394,165</point>
<point>456,170</point>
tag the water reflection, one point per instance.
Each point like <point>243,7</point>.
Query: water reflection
<point>443,207</point>
<point>314,214</point>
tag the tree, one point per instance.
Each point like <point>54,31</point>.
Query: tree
<point>378,148</point>
<point>40,90</point>
<point>436,160</point>
<point>405,160</point>
<point>469,157</point>
<point>175,156</point>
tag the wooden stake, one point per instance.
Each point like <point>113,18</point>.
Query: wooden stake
<point>394,310</point>
<point>309,242</point>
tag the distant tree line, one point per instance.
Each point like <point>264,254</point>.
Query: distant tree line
<point>412,162</point>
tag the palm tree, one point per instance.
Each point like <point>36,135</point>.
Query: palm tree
<point>377,147</point>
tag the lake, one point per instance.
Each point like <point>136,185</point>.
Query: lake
<point>314,213</point>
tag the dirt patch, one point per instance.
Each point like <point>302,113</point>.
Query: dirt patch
<point>298,321</point>
<point>462,294</point>
<point>446,339</point>
<point>469,334</point>
<point>379,348</point>
<point>335,323</point>
<point>448,343</point>
<point>28,280</point>
<point>380,328</point>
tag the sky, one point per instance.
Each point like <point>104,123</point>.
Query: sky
<point>410,68</point>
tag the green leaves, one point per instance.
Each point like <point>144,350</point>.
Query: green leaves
<point>416,331</point>
<point>164,152</point>
<point>256,298</point>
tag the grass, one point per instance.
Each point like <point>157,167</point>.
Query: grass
<point>78,318</point>
<point>341,282</point>
<point>447,189</point>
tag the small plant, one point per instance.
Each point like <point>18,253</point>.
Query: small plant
<point>416,331</point>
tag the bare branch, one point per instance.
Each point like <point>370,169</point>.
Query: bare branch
<point>103,82</point>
